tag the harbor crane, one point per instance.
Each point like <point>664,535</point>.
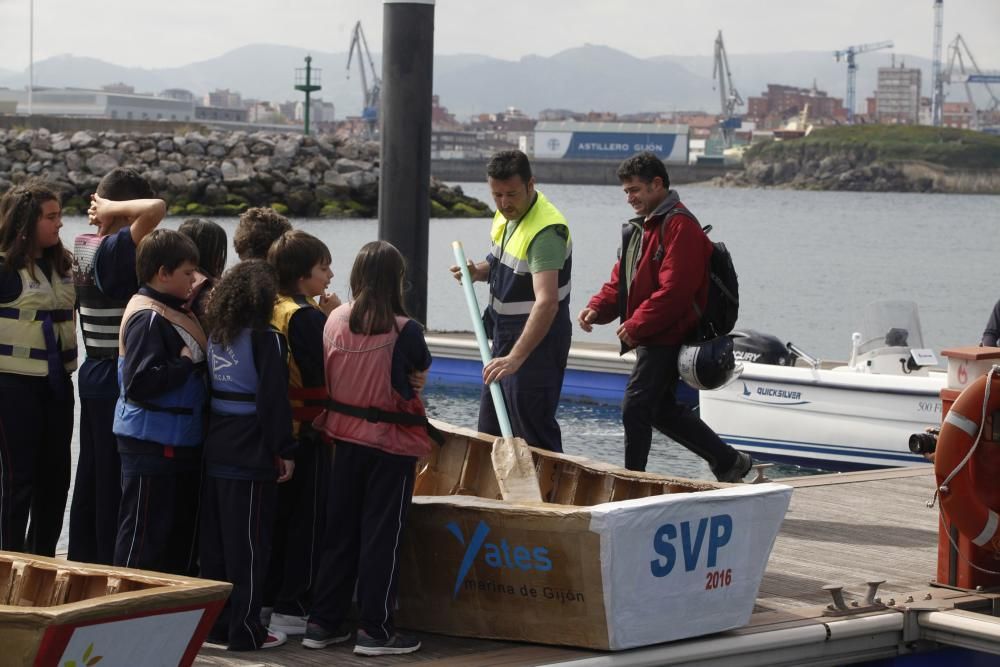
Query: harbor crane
<point>371,94</point>
<point>937,102</point>
<point>728,95</point>
<point>852,69</point>
<point>956,72</point>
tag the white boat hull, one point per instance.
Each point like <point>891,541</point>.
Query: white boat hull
<point>840,419</point>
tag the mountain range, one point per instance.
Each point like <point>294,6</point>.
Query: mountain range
<point>585,78</point>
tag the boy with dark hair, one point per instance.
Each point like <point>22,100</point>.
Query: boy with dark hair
<point>124,212</point>
<point>302,264</point>
<point>257,229</point>
<point>158,416</point>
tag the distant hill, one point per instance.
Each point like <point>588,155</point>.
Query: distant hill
<point>585,78</point>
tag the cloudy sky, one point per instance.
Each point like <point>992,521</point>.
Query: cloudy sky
<point>177,32</point>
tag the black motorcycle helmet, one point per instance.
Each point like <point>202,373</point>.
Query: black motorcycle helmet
<point>708,365</point>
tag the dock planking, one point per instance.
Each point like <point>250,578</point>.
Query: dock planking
<point>840,529</point>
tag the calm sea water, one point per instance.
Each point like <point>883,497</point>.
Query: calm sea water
<point>808,263</point>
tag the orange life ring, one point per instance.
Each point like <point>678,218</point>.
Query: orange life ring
<point>964,496</point>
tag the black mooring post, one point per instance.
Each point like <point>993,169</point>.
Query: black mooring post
<point>405,117</point>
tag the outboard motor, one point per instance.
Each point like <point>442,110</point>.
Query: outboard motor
<point>760,348</point>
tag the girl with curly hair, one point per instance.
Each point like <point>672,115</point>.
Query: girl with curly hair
<point>37,355</point>
<point>249,449</point>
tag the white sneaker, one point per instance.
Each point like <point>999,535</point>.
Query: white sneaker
<point>274,638</point>
<point>290,625</point>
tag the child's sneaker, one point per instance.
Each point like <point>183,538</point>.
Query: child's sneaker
<point>394,645</point>
<point>274,638</point>
<point>289,624</point>
<point>316,636</point>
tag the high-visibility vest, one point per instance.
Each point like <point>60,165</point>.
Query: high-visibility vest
<point>512,294</point>
<point>43,305</point>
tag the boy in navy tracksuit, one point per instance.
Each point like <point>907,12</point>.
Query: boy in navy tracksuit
<point>302,264</point>
<point>124,212</point>
<point>159,413</point>
<point>248,449</point>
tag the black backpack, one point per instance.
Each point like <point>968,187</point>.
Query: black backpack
<point>723,305</point>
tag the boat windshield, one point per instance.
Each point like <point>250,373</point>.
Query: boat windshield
<point>890,324</point>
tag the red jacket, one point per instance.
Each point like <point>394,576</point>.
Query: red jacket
<point>660,308</point>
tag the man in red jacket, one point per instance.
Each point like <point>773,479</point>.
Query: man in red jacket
<point>658,278</point>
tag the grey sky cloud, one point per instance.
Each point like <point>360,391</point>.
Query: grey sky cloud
<point>177,32</point>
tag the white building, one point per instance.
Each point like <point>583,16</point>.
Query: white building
<point>99,104</point>
<point>897,98</point>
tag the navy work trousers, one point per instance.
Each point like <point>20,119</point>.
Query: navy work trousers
<point>650,402</point>
<point>237,517</point>
<point>36,428</point>
<point>368,501</point>
<point>532,394</point>
<point>97,492</point>
<point>298,529</point>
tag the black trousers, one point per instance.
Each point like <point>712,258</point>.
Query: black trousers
<point>532,394</point>
<point>158,515</point>
<point>369,498</point>
<point>298,530</point>
<point>237,518</point>
<point>650,402</point>
<point>36,428</point>
<point>97,492</point>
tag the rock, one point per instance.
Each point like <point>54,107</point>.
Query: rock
<point>82,139</point>
<point>193,148</point>
<point>129,146</point>
<point>356,180</point>
<point>165,145</point>
<point>148,156</point>
<point>101,164</point>
<point>287,149</point>
<point>217,151</point>
<point>33,167</point>
<point>347,165</point>
<point>262,147</point>
<point>61,146</point>
<point>74,162</point>
<point>177,181</point>
<point>215,194</point>
<point>42,155</point>
<point>169,166</point>
<point>335,178</point>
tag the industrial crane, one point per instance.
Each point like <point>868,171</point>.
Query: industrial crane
<point>937,102</point>
<point>852,69</point>
<point>728,95</point>
<point>970,76</point>
<point>370,95</point>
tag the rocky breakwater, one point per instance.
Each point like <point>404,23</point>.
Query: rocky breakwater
<point>875,159</point>
<point>219,173</point>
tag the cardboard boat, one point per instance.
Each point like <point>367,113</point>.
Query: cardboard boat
<point>612,559</point>
<point>56,612</point>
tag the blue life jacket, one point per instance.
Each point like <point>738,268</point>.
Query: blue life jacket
<point>233,376</point>
<point>174,418</point>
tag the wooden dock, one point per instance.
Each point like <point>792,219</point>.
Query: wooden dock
<point>840,529</point>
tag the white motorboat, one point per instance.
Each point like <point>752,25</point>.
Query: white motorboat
<point>790,407</point>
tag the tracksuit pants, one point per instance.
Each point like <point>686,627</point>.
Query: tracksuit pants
<point>298,530</point>
<point>158,515</point>
<point>237,519</point>
<point>93,515</point>
<point>36,428</point>
<point>369,497</point>
<point>650,402</point>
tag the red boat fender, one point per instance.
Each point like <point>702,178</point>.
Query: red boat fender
<point>968,459</point>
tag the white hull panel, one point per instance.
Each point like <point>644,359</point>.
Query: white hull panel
<point>842,418</point>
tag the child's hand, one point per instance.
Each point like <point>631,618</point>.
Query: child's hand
<point>98,212</point>
<point>418,379</point>
<point>186,352</point>
<point>285,469</point>
<point>327,302</point>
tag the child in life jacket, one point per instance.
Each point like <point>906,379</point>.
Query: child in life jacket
<point>159,414</point>
<point>248,449</point>
<point>302,264</point>
<point>37,355</point>
<point>376,365</point>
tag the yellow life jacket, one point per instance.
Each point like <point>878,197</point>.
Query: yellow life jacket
<point>307,402</point>
<point>23,348</point>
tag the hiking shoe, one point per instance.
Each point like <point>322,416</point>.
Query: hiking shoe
<point>394,645</point>
<point>289,624</point>
<point>274,638</point>
<point>739,469</point>
<point>316,636</point>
